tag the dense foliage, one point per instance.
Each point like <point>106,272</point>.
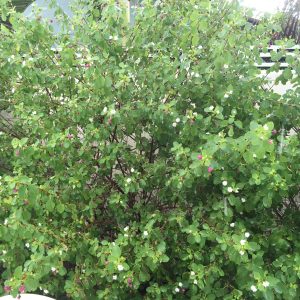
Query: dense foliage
<point>147,162</point>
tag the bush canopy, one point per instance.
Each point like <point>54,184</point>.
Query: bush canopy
<point>148,161</point>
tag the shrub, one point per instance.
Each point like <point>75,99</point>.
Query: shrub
<point>147,162</point>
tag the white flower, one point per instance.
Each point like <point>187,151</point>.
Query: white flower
<point>177,290</point>
<point>195,114</point>
<point>126,228</point>
<point>177,120</point>
<point>145,233</point>
<point>180,284</point>
<point>253,288</point>
<point>46,292</point>
<point>230,92</point>
<point>112,112</point>
<point>132,170</point>
<point>224,183</point>
<point>125,235</point>
<point>110,37</point>
<point>266,127</point>
<point>242,252</point>
<point>115,38</point>
<point>192,273</point>
<point>115,277</point>
<point>247,234</point>
<point>226,96</point>
<point>266,283</point>
<point>257,106</point>
<point>174,124</point>
<point>226,66</point>
<point>27,245</point>
<point>128,180</point>
<point>243,200</point>
<point>104,110</point>
<point>232,225</point>
<point>4,252</point>
<point>10,58</point>
<point>120,268</point>
<point>5,222</point>
<point>230,189</point>
<point>243,242</point>
<point>197,75</point>
<point>195,281</point>
<point>34,112</point>
<point>254,155</point>
<point>200,47</point>
<point>53,269</point>
<point>211,108</point>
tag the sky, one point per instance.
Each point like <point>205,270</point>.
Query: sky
<point>262,6</point>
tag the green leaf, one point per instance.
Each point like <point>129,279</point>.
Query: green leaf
<point>116,252</point>
<point>287,74</point>
<point>60,208</point>
<point>268,294</point>
<point>15,143</point>
<point>32,193</point>
<point>267,201</point>
<point>31,284</point>
<point>161,247</point>
<point>253,125</point>
<point>238,124</point>
<point>23,192</point>
<point>50,205</point>
<point>99,82</point>
<point>144,276</point>
<point>18,272</point>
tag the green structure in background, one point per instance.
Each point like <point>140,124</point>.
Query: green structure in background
<point>21,4</point>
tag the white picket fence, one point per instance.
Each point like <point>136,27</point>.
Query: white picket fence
<point>267,64</point>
